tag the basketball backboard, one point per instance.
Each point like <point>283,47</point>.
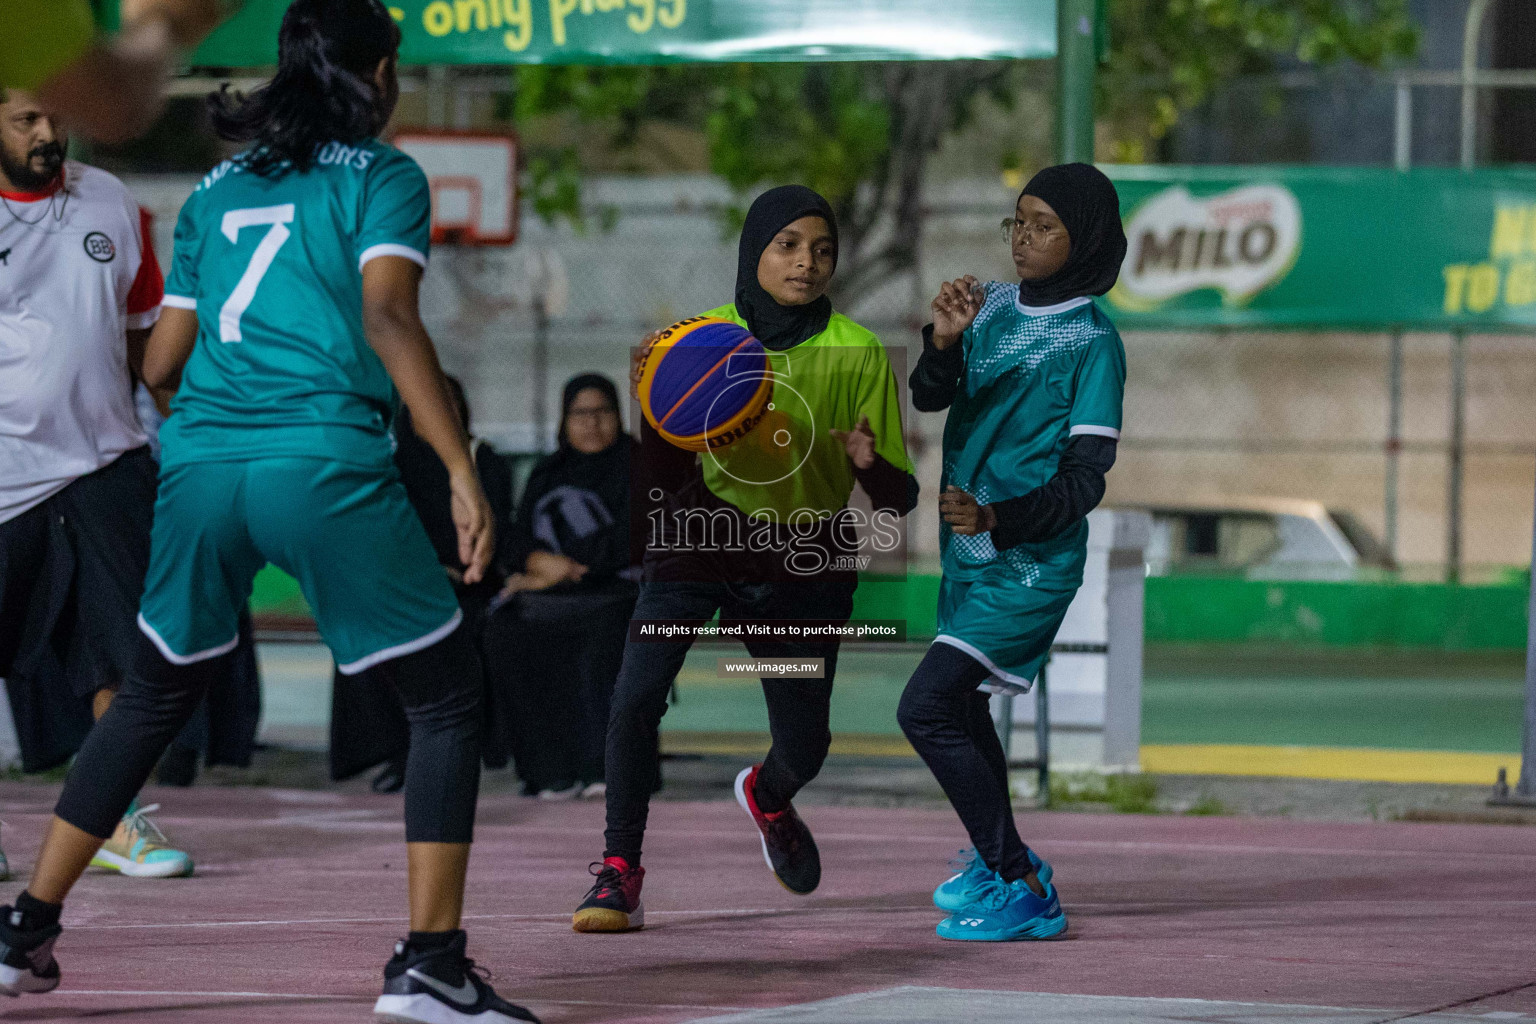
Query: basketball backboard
<point>473,177</point>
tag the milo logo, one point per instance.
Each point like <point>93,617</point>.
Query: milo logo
<point>1238,243</point>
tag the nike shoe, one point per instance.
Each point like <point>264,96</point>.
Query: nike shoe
<point>140,850</point>
<point>441,986</point>
<point>613,902</point>
<point>955,891</point>
<point>1004,911</point>
<point>788,845</point>
<point>26,957</point>
<point>561,791</point>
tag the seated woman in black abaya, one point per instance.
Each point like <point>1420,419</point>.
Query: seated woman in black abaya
<point>554,646</point>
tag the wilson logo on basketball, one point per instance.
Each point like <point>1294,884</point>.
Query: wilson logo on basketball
<point>1239,243</point>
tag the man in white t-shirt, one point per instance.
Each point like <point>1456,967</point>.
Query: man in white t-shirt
<point>79,290</point>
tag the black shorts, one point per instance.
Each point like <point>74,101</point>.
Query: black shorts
<point>71,575</point>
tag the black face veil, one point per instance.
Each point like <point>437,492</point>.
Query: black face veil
<point>1089,208</point>
<point>778,327</point>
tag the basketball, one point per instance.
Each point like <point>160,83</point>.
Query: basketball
<point>705,383</point>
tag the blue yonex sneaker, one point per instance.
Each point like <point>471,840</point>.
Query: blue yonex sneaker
<point>955,891</point>
<point>1004,911</point>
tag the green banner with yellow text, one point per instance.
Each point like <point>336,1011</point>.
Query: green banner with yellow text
<point>662,31</point>
<point>1304,247</point>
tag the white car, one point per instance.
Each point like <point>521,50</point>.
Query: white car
<point>1262,539</point>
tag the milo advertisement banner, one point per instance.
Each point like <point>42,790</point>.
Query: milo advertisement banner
<point>1302,247</point>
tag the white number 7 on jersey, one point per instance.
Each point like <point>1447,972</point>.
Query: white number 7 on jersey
<point>261,261</point>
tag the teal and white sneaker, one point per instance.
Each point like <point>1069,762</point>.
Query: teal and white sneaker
<point>139,849</point>
<point>954,892</point>
<point>1004,911</point>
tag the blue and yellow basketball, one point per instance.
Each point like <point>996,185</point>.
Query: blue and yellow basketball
<point>705,383</point>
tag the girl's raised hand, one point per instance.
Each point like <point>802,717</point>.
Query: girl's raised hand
<point>859,443</point>
<point>955,309</point>
<point>964,514</point>
<point>637,360</point>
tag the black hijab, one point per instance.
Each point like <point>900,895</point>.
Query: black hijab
<point>605,474</point>
<point>778,327</point>
<point>607,471</point>
<point>1089,208</point>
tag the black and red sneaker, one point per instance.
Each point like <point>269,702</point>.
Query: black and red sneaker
<point>613,902</point>
<point>788,846</point>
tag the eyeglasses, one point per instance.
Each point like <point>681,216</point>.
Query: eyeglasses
<point>1013,226</point>
<point>592,414</point>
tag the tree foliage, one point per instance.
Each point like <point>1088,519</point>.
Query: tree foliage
<point>862,133</point>
<point>1170,56</point>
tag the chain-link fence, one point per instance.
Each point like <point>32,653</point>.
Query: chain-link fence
<point>1214,420</point>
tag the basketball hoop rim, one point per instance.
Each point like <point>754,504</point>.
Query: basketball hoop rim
<point>469,236</point>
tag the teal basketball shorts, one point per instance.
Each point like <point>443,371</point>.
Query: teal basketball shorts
<point>1002,623</point>
<point>346,533</point>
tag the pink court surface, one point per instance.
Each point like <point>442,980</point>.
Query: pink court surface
<point>299,895</point>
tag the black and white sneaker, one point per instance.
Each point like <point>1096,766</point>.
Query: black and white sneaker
<point>26,956</point>
<point>441,986</point>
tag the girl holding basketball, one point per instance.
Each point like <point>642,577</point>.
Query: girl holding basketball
<point>1033,375</point>
<point>757,531</point>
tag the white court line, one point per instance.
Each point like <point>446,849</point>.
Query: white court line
<point>552,916</point>
<point>331,996</point>
<point>200,995</point>
<point>336,821</point>
<point>925,908</point>
<point>867,837</point>
<point>352,818</point>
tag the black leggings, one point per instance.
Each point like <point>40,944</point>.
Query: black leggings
<point>798,709</point>
<point>949,723</point>
<point>439,686</point>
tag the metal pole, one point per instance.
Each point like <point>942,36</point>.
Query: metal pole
<point>1076,64</point>
<point>1470,35</point>
<point>109,15</point>
<point>1526,790</point>
<point>1394,446</point>
<point>1402,134</point>
<point>438,88</point>
<point>540,369</point>
<point>1004,725</point>
<point>1456,457</point>
<point>1043,738</point>
<point>1524,794</point>
<point>462,112</point>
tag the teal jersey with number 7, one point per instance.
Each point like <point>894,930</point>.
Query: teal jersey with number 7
<point>273,268</point>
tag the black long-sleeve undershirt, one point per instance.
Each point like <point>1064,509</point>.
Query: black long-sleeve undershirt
<point>936,377</point>
<point>1050,509</point>
<point>889,488</point>
<point>1062,501</point>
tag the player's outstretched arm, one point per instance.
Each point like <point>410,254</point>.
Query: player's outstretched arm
<point>392,321</point>
<point>111,92</point>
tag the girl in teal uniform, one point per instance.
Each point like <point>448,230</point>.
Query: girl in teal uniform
<point>1032,375</point>
<point>292,330</point>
